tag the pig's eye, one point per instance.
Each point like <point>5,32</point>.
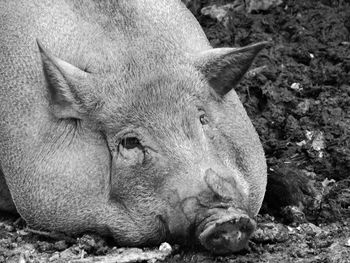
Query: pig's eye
<point>131,151</point>
<point>204,119</point>
<point>131,143</point>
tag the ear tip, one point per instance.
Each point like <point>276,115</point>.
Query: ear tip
<point>41,47</point>
<point>253,48</point>
<point>263,44</point>
<point>266,43</point>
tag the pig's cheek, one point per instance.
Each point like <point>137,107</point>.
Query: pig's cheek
<point>176,219</point>
<point>182,215</point>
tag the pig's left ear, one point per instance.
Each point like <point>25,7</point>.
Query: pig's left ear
<point>224,67</point>
<point>71,89</point>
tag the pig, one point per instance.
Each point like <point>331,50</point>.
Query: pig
<point>119,118</point>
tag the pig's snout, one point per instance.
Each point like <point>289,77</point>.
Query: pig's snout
<point>219,214</point>
<point>227,235</point>
<point>225,230</point>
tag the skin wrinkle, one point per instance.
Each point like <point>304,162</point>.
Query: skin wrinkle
<point>72,133</point>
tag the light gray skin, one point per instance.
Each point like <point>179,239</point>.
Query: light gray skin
<point>118,117</point>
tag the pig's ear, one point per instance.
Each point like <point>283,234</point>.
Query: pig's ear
<point>224,67</point>
<point>68,85</point>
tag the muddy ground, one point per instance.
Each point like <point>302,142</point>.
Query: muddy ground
<point>298,96</point>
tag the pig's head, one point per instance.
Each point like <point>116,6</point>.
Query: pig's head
<point>185,162</point>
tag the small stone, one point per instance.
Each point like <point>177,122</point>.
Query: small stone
<point>296,87</point>
<point>14,245</point>
<point>22,232</point>
<point>87,243</point>
<point>323,243</point>
<point>9,228</point>
<point>28,247</point>
<point>54,257</point>
<point>304,106</point>
<point>93,244</point>
<point>60,245</point>
<point>44,246</point>
<point>21,259</point>
<point>347,243</point>
<point>318,143</point>
<point>301,253</point>
<point>215,12</point>
<point>303,142</point>
<point>293,214</point>
<point>165,247</point>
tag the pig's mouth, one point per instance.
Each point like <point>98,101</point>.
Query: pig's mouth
<point>225,231</point>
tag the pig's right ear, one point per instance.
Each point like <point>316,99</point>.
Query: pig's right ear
<point>68,86</point>
<point>224,67</point>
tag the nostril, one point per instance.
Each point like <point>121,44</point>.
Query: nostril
<point>239,236</point>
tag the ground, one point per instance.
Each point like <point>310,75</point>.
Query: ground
<point>298,96</point>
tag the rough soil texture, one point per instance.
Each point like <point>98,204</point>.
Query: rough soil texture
<point>298,96</point>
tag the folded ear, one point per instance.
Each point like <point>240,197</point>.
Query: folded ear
<point>69,87</point>
<point>224,67</point>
